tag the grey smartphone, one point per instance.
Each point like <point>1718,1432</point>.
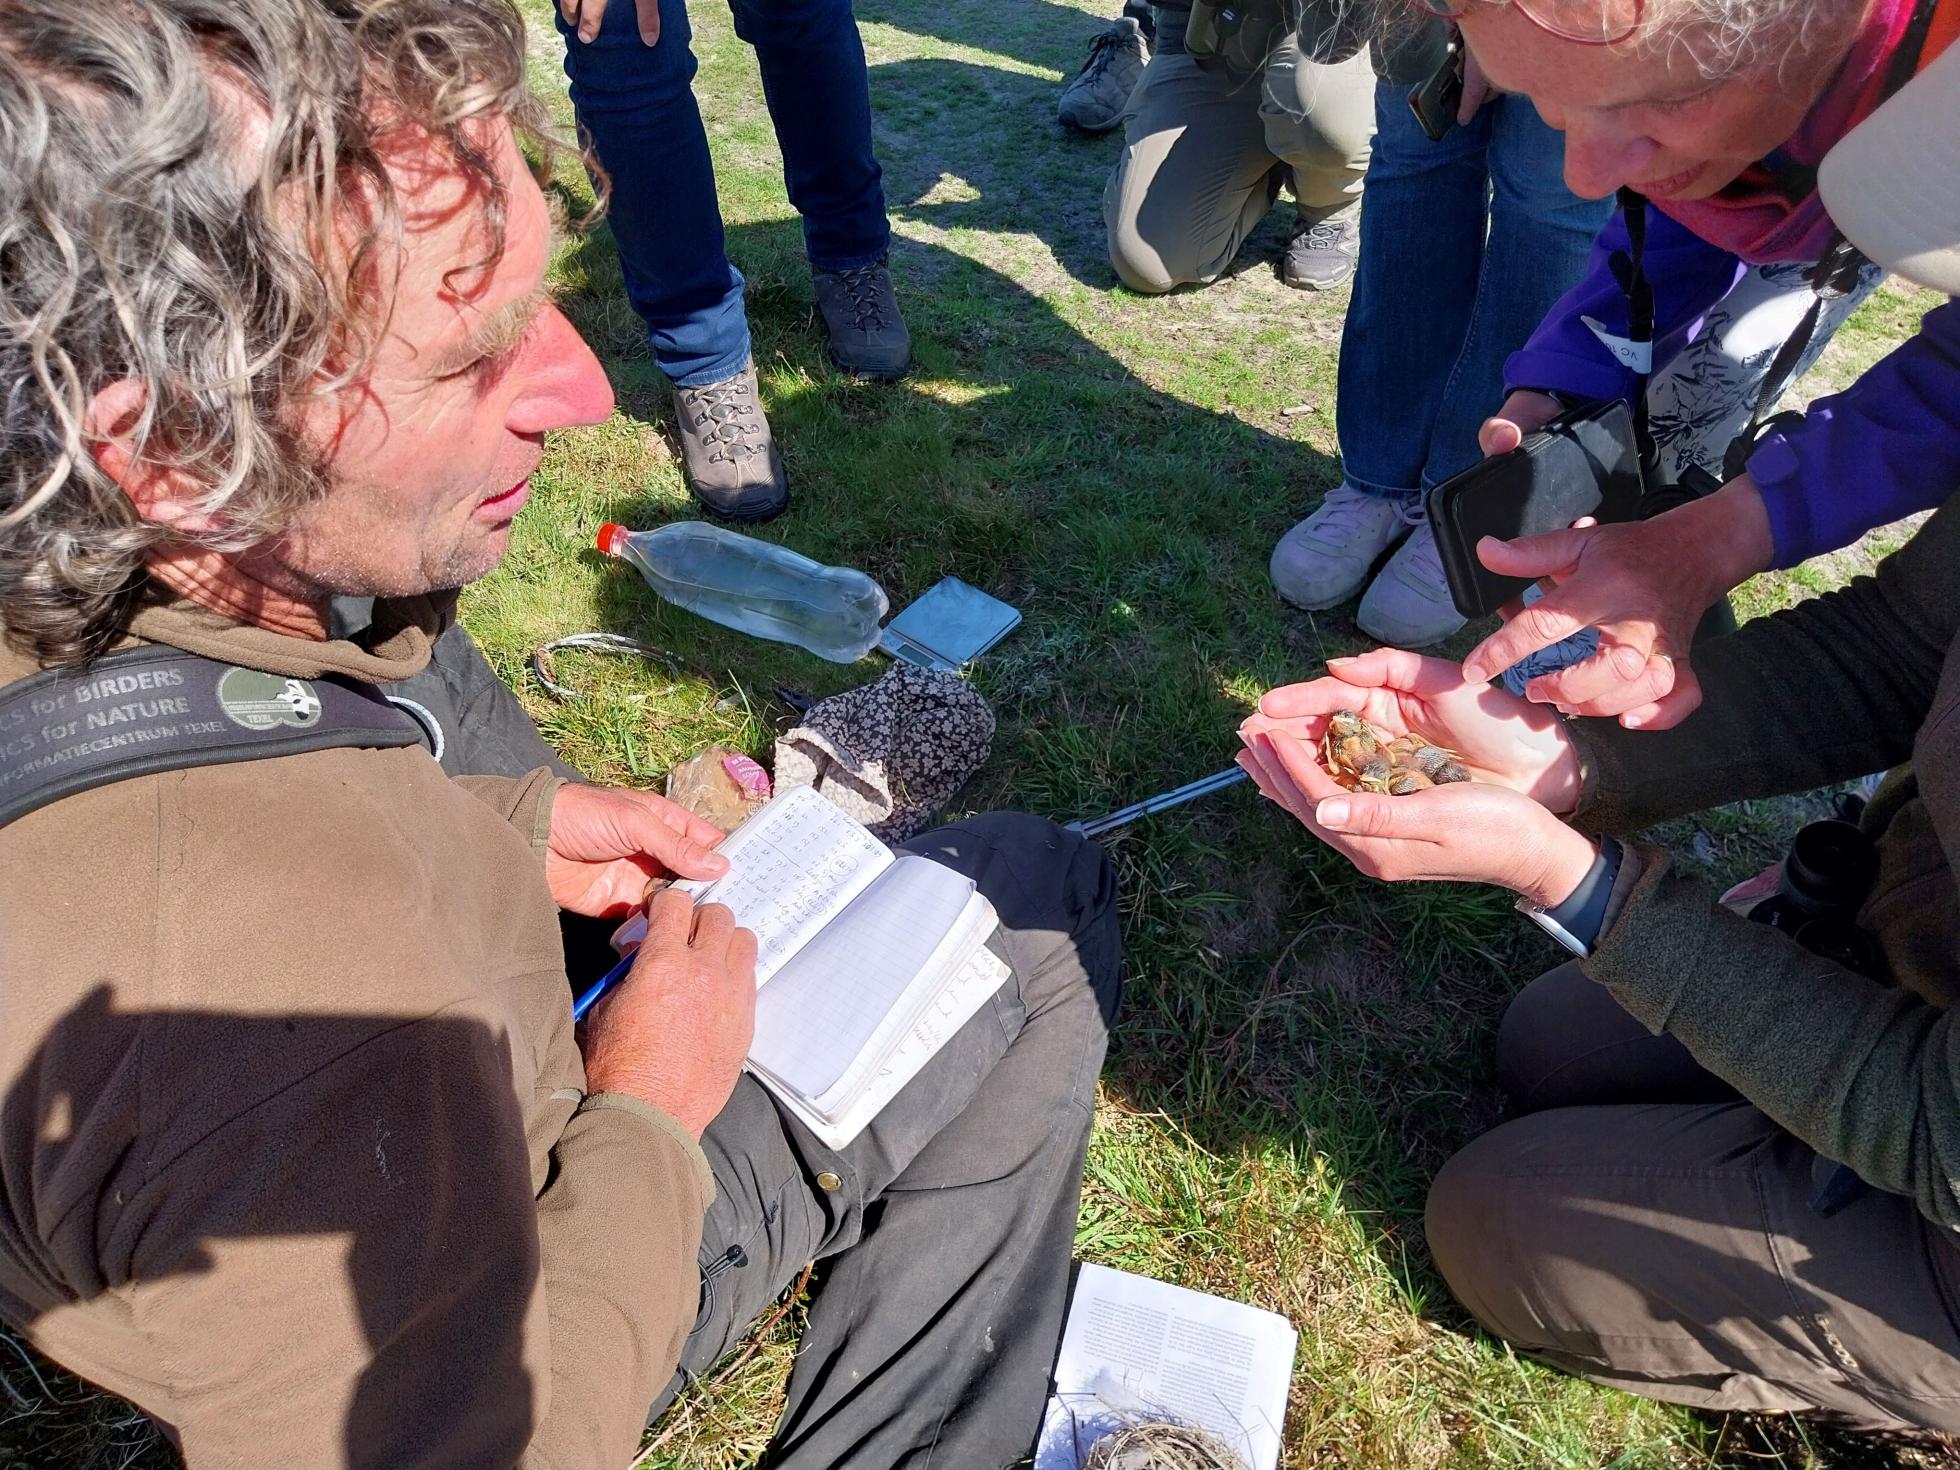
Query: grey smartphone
<point>1583,463</point>
<point>1435,101</point>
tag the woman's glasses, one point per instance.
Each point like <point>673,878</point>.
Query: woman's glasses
<point>1588,22</point>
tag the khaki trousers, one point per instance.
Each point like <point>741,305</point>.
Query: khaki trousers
<point>1643,1226</point>
<point>1202,158</point>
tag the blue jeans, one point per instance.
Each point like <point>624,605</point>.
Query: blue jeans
<point>636,103</point>
<point>1465,246</point>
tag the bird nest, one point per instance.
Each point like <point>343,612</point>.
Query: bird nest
<point>1143,1446</point>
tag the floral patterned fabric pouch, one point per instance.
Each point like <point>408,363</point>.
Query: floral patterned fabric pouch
<point>893,753</point>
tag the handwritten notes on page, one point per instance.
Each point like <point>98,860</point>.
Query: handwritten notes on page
<point>793,867</point>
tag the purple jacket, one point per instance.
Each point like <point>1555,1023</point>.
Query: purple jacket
<point>1887,446</point>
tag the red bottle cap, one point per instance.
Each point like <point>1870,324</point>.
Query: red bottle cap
<point>612,538</point>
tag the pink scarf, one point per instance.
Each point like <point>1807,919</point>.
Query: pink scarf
<point>1754,217</point>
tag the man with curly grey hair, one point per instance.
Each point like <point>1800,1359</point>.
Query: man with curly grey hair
<point>299,1148</point>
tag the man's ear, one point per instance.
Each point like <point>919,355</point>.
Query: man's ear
<point>160,492</point>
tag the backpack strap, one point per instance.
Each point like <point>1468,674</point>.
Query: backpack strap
<point>155,708</point>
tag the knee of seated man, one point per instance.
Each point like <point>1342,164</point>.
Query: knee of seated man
<point>1537,1030</point>
<point>1314,154</point>
<point>1139,265</point>
<point>1151,233</point>
<point>1073,880</point>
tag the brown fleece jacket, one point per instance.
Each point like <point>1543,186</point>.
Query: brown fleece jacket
<point>1866,1072</point>
<point>295,1144</point>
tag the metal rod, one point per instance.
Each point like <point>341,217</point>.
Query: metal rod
<point>1163,802</point>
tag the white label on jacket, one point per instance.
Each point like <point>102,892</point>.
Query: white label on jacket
<point>1635,356</point>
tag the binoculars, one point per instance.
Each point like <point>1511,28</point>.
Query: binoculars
<point>1825,879</point>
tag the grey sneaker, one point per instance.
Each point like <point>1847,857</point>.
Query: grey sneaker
<point>1325,559</point>
<point>1322,255</point>
<point>868,338</point>
<point>1094,99</point>
<point>1408,605</point>
<point>729,452</point>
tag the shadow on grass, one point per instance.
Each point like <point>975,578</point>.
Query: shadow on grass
<point>1020,456</point>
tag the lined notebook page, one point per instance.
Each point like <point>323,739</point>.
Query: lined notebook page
<point>969,933</point>
<point>840,990</point>
<point>794,865</point>
<point>950,1007</point>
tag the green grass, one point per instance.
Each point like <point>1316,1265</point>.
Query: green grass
<point>1301,1048</point>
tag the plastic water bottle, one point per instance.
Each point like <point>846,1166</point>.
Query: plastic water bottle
<point>756,587</point>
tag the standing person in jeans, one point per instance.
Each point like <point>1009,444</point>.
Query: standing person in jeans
<point>631,71</point>
<point>1465,245</point>
<point>1205,147</point>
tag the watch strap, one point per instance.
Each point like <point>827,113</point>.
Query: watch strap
<point>1583,912</point>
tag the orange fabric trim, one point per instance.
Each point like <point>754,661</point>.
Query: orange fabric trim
<point>1943,30</point>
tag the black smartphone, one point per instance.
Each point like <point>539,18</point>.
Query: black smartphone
<point>1583,463</point>
<point>1435,101</point>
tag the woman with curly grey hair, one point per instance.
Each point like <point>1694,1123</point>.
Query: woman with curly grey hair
<point>1717,113</point>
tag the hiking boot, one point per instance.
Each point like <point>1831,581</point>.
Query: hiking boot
<point>1325,559</point>
<point>1408,605</point>
<point>731,458</point>
<point>1094,99</point>
<point>1321,255</point>
<point>868,338</point>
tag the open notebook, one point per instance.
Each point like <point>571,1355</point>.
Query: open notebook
<point>1136,1351</point>
<point>866,963</point>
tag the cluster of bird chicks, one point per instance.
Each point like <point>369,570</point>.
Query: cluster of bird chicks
<point>1360,760</point>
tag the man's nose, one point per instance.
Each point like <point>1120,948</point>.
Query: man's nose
<point>1600,157</point>
<point>563,384</point>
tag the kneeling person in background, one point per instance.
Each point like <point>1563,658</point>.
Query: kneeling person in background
<point>1205,149</point>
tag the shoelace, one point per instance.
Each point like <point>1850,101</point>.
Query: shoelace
<point>1420,548</point>
<point>1344,510</point>
<point>862,284</point>
<point>725,415</point>
<point>1322,235</point>
<point>1102,53</point>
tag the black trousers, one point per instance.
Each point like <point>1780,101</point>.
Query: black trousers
<point>945,1229</point>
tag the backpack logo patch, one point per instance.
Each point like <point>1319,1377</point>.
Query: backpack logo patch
<point>261,701</point>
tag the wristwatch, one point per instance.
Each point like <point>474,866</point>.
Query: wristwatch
<point>1575,923</point>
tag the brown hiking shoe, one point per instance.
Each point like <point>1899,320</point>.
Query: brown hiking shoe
<point>731,458</point>
<point>868,338</point>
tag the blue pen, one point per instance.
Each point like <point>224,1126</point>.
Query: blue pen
<point>600,986</point>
